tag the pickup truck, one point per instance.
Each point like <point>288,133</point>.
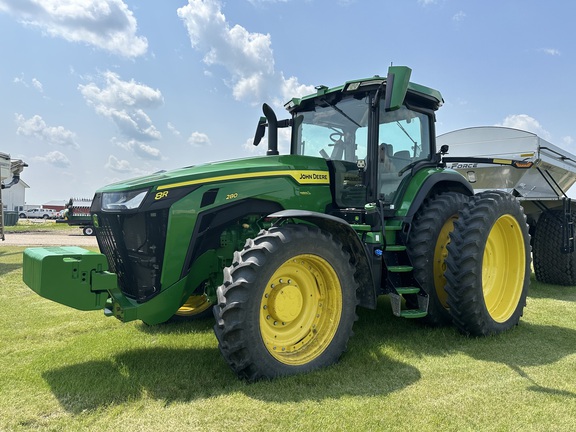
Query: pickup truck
<point>39,213</point>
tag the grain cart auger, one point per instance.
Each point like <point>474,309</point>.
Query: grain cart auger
<point>283,248</point>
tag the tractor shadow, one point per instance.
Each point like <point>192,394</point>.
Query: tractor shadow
<point>180,375</point>
<point>527,345</point>
<point>186,374</point>
<point>8,267</point>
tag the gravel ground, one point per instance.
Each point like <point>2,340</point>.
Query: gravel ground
<point>49,238</point>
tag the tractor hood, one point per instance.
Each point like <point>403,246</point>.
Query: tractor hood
<point>303,169</point>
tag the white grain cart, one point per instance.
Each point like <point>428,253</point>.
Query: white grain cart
<point>535,171</point>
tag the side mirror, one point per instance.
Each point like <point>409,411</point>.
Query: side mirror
<point>396,86</point>
<point>260,131</point>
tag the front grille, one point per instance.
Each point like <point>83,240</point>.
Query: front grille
<point>134,246</point>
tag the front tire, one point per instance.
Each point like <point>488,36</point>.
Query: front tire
<point>488,265</point>
<point>287,304</point>
<point>427,247</point>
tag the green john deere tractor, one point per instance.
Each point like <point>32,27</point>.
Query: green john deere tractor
<point>284,248</point>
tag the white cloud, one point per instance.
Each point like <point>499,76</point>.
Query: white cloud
<point>124,102</point>
<point>37,85</point>
<point>140,149</point>
<point>105,24</point>
<point>527,123</point>
<point>427,2</point>
<point>146,152</point>
<point>173,129</point>
<point>550,51</point>
<point>55,158</point>
<point>459,16</point>
<point>248,57</point>
<point>199,139</point>
<point>118,165</point>
<point>36,127</point>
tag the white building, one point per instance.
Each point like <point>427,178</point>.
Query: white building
<point>13,199</point>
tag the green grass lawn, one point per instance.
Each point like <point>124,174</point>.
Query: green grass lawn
<point>66,370</point>
<point>39,225</point>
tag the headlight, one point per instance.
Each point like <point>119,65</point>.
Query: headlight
<point>123,200</point>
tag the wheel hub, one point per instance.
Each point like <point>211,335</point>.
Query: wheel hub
<point>285,303</point>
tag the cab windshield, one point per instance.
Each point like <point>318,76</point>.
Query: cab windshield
<point>334,131</point>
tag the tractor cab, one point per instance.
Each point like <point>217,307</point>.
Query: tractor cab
<point>371,132</point>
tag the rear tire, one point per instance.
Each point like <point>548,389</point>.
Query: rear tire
<point>429,236</point>
<point>551,266</point>
<point>488,265</point>
<point>287,304</point>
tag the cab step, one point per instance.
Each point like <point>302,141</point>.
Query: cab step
<point>400,269</point>
<point>395,248</point>
<point>413,313</point>
<point>396,303</point>
<point>408,290</point>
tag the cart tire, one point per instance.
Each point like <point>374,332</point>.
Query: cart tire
<point>429,236</point>
<point>551,266</point>
<point>287,304</point>
<point>488,265</point>
<point>88,230</point>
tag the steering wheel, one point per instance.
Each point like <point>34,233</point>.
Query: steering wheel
<point>336,137</point>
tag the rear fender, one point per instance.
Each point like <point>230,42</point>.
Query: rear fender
<point>367,290</point>
<point>435,182</point>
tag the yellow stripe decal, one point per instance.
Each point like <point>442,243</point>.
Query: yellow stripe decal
<point>503,161</point>
<point>301,176</point>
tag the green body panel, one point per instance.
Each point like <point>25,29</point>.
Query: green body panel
<point>184,213</point>
<point>220,172</point>
<point>70,275</point>
<point>164,305</point>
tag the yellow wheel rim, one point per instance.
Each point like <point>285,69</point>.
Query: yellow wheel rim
<point>300,309</point>
<point>503,267</point>
<point>195,305</point>
<point>440,255</point>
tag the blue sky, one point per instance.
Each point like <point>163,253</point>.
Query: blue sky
<point>95,91</point>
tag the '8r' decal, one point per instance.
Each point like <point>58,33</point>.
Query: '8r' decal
<point>160,195</point>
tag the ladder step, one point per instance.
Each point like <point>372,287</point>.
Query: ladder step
<point>408,290</point>
<point>400,269</point>
<point>395,248</point>
<point>392,227</point>
<point>413,313</point>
